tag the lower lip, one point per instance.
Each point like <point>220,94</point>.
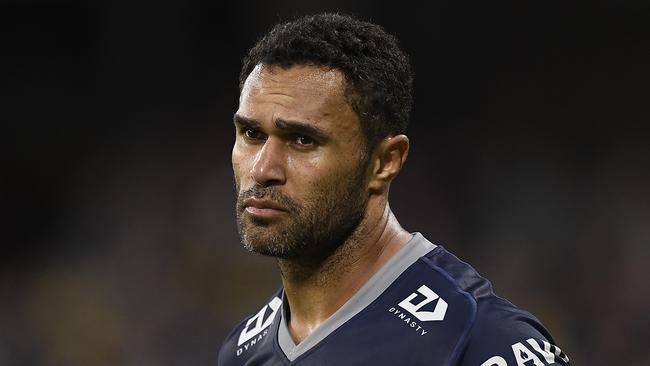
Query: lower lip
<point>264,212</point>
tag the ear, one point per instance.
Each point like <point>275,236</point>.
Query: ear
<point>387,160</point>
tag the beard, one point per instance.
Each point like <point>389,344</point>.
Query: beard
<point>312,229</point>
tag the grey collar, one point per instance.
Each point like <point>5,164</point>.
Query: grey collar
<point>375,286</point>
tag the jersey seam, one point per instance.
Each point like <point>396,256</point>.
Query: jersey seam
<point>474,309</point>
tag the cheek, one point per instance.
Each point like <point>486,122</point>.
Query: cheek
<point>303,172</point>
<point>320,179</point>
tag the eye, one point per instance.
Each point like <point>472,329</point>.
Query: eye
<point>253,134</point>
<point>304,141</point>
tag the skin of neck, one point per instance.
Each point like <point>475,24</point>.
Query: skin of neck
<point>316,290</point>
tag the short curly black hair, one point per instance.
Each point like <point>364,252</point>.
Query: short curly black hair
<point>377,72</point>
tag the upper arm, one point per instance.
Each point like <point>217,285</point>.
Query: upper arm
<point>511,338</point>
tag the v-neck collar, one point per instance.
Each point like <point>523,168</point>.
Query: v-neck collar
<point>371,290</point>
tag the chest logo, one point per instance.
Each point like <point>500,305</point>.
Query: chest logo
<point>259,322</point>
<point>438,312</point>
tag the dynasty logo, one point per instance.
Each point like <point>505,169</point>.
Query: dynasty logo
<point>413,310</point>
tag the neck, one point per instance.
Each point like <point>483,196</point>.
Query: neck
<point>316,289</point>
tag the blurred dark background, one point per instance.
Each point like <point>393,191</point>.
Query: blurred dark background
<point>530,147</point>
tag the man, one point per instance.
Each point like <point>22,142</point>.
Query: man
<point>320,128</point>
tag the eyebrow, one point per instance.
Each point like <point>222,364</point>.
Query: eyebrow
<point>243,122</point>
<point>287,126</point>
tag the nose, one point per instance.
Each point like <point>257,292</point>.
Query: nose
<point>269,166</point>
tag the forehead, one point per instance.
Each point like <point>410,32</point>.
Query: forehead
<point>307,93</point>
<point>304,77</point>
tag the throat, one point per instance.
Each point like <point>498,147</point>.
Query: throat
<point>316,289</point>
<point>317,272</point>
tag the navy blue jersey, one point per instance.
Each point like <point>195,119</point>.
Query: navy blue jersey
<point>423,307</point>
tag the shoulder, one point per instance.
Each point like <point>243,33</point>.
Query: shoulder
<point>250,335</point>
<point>498,333</point>
<point>503,337</point>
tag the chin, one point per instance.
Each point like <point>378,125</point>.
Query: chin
<point>263,241</point>
<point>266,249</point>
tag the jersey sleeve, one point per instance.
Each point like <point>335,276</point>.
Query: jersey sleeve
<point>506,336</point>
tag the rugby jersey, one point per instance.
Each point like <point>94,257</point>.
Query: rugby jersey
<point>423,307</point>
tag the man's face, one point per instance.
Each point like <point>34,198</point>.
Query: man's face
<point>298,162</point>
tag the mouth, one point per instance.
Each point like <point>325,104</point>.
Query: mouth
<point>262,208</point>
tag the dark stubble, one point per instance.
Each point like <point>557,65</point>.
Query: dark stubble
<point>312,229</point>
